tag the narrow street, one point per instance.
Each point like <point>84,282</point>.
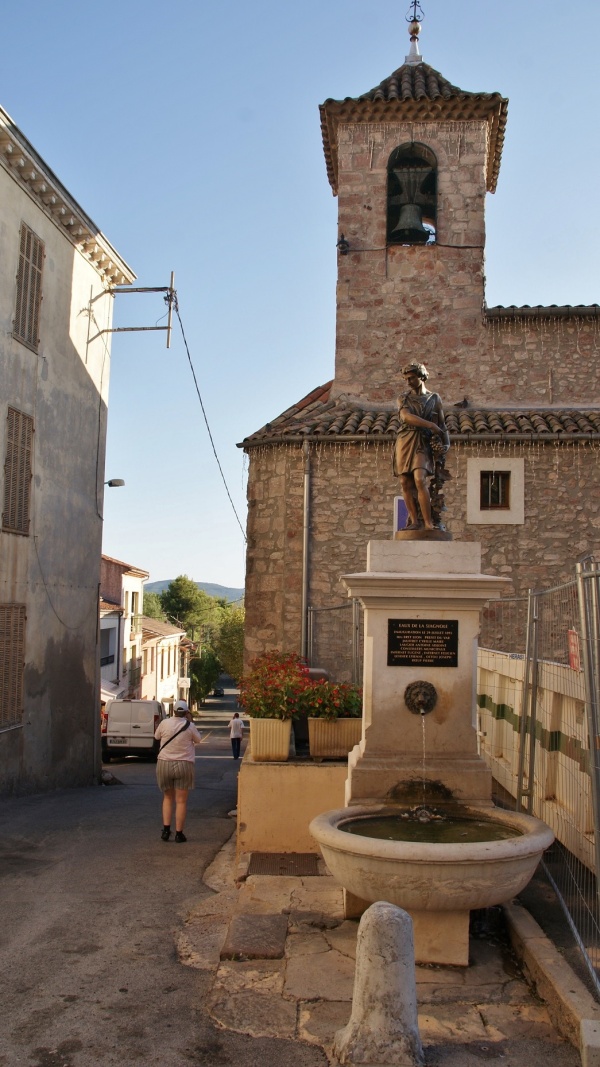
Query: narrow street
<point>91,901</point>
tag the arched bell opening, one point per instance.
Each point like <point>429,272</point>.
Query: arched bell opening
<point>411,195</point>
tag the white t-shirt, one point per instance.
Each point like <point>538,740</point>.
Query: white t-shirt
<point>180,747</point>
<point>236,728</point>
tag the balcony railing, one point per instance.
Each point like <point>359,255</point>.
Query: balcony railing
<point>136,624</point>
<point>135,676</point>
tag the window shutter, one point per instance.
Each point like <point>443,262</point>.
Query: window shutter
<point>29,288</point>
<point>17,472</point>
<point>12,662</point>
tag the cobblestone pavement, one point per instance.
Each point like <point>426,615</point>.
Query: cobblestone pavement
<point>466,1016</point>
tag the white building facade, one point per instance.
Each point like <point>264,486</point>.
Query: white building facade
<point>56,275</point>
<point>164,663</point>
<point>121,606</point>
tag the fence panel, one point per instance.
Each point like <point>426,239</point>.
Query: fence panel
<point>534,734</point>
<point>335,641</point>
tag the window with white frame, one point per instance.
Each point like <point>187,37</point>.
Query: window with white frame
<point>496,491</point>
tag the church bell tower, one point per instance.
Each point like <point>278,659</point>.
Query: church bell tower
<point>410,162</point>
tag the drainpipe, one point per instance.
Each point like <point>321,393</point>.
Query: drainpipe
<point>305,544</point>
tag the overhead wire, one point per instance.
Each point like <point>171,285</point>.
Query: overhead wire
<point>172,296</point>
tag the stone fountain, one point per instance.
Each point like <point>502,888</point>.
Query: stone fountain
<point>422,594</point>
<point>418,753</point>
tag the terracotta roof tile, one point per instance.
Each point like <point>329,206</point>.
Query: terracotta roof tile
<point>415,92</point>
<point>344,420</point>
<point>536,311</point>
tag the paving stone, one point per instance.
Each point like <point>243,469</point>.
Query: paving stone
<point>517,1021</point>
<point>452,1023</point>
<point>220,874</point>
<point>306,944</point>
<point>223,903</point>
<point>343,938</point>
<point>309,921</point>
<point>257,1014</point>
<point>328,975</point>
<point>260,976</point>
<point>266,894</point>
<point>524,1053</point>
<point>435,974</point>
<point>255,937</point>
<point>318,1021</point>
<point>199,943</point>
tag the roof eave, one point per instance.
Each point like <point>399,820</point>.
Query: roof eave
<point>493,108</point>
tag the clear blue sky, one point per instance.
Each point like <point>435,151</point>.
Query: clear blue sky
<point>190,133</point>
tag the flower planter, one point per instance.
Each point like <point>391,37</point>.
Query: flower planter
<point>270,740</point>
<point>333,740</point>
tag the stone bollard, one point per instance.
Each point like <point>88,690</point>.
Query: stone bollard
<point>383,1027</point>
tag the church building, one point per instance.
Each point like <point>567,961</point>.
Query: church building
<point>411,162</point>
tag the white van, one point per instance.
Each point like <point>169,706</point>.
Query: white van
<point>128,728</point>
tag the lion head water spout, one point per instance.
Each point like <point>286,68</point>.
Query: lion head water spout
<point>418,760</point>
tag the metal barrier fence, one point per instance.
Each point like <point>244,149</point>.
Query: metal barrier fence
<point>538,688</point>
<point>335,641</point>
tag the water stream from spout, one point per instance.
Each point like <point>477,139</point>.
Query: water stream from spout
<point>424,755</point>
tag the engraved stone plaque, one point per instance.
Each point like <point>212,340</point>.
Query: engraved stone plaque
<point>422,643</point>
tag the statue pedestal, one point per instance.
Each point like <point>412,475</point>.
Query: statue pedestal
<point>422,601</point>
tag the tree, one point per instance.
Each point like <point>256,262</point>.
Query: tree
<point>229,643</point>
<point>197,612</point>
<point>204,672</point>
<point>152,606</point>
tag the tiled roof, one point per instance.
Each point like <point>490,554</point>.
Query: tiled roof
<point>541,311</point>
<point>416,93</point>
<point>316,417</point>
<point>109,605</point>
<point>158,628</point>
<point>127,568</point>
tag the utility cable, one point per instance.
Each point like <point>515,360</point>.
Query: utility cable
<point>173,297</point>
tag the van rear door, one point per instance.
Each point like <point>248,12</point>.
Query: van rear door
<point>118,729</point>
<point>142,723</point>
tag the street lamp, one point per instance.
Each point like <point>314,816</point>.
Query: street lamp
<point>115,482</point>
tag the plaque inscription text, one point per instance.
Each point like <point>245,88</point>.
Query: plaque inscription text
<point>422,643</point>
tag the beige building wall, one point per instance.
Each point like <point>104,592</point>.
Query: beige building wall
<point>51,736</point>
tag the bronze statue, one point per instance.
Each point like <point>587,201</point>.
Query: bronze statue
<point>420,449</point>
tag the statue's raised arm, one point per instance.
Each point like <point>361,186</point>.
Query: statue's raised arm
<point>419,452</point>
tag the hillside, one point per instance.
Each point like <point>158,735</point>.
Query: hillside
<point>223,591</point>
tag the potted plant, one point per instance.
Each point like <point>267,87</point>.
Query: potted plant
<point>334,718</point>
<point>269,694</point>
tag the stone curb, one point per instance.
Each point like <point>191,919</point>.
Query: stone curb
<point>572,1009</point>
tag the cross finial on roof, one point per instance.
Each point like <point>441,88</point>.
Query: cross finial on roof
<point>414,17</point>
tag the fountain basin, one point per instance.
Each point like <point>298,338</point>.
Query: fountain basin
<point>438,884</point>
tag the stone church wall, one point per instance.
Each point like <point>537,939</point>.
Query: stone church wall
<point>352,491</point>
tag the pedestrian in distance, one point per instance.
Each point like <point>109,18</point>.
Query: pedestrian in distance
<point>236,732</point>
<point>175,767</point>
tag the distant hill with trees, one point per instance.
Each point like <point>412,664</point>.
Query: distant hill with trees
<point>223,592</point>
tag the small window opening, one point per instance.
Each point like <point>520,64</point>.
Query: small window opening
<point>494,490</point>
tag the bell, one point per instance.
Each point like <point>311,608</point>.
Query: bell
<point>410,229</point>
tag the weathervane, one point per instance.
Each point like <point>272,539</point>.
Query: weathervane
<point>417,14</point>
<point>415,17</point>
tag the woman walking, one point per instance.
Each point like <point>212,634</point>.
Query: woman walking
<point>236,732</point>
<point>175,767</point>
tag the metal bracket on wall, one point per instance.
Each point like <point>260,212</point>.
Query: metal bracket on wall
<point>170,300</point>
